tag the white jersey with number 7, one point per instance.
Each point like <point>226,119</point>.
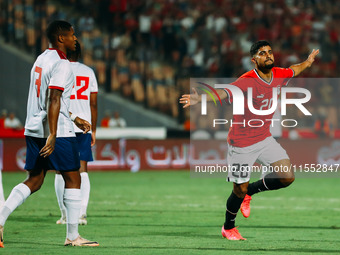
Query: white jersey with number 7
<point>85,84</point>
<point>51,70</point>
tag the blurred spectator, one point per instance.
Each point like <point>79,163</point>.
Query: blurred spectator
<point>4,114</point>
<point>322,127</point>
<point>117,121</point>
<point>192,38</point>
<point>293,134</point>
<point>188,125</point>
<point>86,23</point>
<point>105,121</point>
<point>13,122</point>
<point>2,118</point>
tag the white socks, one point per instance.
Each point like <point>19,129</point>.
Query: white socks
<point>85,192</point>
<point>2,197</point>
<point>72,201</point>
<point>69,203</point>
<point>17,197</point>
<point>59,186</point>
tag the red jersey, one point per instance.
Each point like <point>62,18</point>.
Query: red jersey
<point>241,134</point>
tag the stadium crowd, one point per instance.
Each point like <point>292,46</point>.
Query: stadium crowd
<point>148,50</point>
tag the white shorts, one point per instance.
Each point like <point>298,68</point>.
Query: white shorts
<point>241,159</point>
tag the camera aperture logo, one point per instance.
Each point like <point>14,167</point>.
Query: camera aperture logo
<point>204,101</point>
<point>267,105</point>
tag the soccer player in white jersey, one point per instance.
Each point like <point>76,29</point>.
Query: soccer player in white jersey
<point>247,144</point>
<point>50,138</point>
<point>84,105</point>
<point>2,197</point>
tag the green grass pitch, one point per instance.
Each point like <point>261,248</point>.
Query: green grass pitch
<point>167,212</point>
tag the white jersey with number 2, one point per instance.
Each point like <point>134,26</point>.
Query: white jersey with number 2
<point>85,84</point>
<point>51,70</point>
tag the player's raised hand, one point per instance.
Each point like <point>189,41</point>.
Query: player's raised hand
<point>82,124</point>
<point>189,99</point>
<point>312,56</point>
<point>49,146</point>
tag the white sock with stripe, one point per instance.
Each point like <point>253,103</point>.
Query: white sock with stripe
<point>18,195</point>
<point>72,199</point>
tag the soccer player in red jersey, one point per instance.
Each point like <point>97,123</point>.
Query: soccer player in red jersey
<point>247,144</point>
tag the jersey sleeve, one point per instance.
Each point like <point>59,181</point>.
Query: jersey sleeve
<point>240,83</point>
<point>285,74</point>
<point>94,84</point>
<point>73,92</point>
<point>229,98</point>
<point>60,75</point>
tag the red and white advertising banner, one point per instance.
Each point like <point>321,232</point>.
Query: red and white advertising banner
<point>138,155</point>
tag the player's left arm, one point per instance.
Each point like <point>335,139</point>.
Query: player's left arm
<point>53,109</point>
<point>80,123</point>
<point>299,68</point>
<point>93,106</point>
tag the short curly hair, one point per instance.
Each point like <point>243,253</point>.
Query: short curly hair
<point>56,28</point>
<point>256,46</point>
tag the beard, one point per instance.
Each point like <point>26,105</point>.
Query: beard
<point>267,67</point>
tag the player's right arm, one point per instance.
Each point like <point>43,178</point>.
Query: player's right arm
<point>93,106</point>
<point>299,68</point>
<point>192,99</point>
<point>53,109</point>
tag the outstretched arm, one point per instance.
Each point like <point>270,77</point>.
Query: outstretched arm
<point>192,99</point>
<point>299,68</point>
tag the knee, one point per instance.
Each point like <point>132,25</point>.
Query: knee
<point>35,187</point>
<point>72,180</point>
<point>241,190</point>
<point>287,181</point>
<point>34,183</point>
